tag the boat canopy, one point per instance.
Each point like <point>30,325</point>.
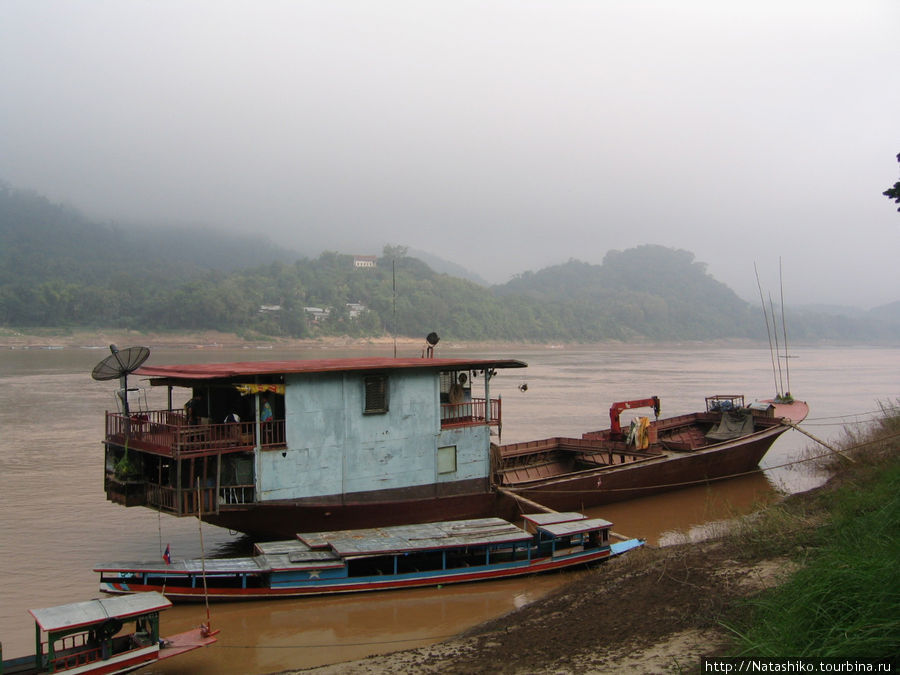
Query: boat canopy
<point>89,612</point>
<point>186,373</point>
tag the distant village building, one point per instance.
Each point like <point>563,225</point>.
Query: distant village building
<point>266,309</point>
<point>354,309</point>
<point>362,261</point>
<point>317,313</point>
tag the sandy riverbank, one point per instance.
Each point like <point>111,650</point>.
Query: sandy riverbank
<point>61,338</point>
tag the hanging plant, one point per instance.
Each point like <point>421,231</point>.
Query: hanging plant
<point>125,469</point>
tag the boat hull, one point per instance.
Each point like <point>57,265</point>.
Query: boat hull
<point>670,471</point>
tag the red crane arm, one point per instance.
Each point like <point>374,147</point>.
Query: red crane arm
<point>615,410</point>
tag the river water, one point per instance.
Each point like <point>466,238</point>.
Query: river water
<point>56,523</point>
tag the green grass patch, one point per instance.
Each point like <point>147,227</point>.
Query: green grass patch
<point>845,599</point>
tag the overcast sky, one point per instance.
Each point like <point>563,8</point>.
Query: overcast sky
<point>503,135</point>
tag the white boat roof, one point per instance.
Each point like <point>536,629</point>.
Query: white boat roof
<point>554,517</point>
<point>407,538</point>
<point>575,527</point>
<point>97,611</point>
<point>283,546</point>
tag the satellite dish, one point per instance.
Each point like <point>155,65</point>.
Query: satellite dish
<point>120,363</point>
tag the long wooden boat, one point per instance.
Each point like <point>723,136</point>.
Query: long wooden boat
<point>271,448</point>
<point>108,635</point>
<point>389,558</point>
<point>727,439</point>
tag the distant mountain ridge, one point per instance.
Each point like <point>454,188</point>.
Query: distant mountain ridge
<point>58,268</point>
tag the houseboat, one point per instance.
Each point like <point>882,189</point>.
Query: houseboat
<point>389,558</point>
<point>275,447</point>
<point>109,635</point>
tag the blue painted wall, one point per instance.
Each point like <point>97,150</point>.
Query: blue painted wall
<point>333,448</point>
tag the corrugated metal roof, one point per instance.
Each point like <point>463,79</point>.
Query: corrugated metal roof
<point>208,371</point>
<point>406,538</point>
<point>212,566</point>
<point>554,517</point>
<point>90,612</point>
<point>575,527</point>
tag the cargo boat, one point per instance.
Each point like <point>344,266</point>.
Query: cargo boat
<point>728,439</point>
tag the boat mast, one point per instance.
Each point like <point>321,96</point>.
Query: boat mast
<point>768,332</point>
<point>787,370</point>
<point>780,385</point>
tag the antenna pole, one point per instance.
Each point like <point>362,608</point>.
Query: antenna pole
<point>768,332</point>
<point>394,301</point>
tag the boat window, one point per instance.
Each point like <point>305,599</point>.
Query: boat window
<point>446,459</point>
<point>376,394</point>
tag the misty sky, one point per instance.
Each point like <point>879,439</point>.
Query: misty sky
<point>503,135</point>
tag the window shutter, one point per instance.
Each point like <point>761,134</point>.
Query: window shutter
<point>376,394</point>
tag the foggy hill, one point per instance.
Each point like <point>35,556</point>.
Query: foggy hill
<point>58,268</point>
<point>40,240</point>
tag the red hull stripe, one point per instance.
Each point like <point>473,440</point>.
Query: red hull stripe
<point>111,666</point>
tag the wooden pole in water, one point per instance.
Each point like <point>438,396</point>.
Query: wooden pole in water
<point>519,498</point>
<point>203,555</point>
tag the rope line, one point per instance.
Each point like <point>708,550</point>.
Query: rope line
<point>887,409</point>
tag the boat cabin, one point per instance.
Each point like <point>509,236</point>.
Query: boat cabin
<point>323,431</point>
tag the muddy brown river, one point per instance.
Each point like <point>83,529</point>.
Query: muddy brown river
<point>56,523</point>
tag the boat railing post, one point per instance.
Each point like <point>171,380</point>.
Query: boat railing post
<point>487,395</point>
<point>215,500</point>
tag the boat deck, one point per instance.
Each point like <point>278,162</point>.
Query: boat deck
<point>173,645</point>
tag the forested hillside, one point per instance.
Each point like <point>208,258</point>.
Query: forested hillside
<point>59,269</point>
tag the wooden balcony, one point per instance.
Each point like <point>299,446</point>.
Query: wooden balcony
<point>469,413</point>
<point>167,433</point>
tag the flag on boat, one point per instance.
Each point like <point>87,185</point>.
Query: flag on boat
<point>166,556</point>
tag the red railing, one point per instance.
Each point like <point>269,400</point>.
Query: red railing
<point>71,651</point>
<point>469,413</point>
<point>167,433</point>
